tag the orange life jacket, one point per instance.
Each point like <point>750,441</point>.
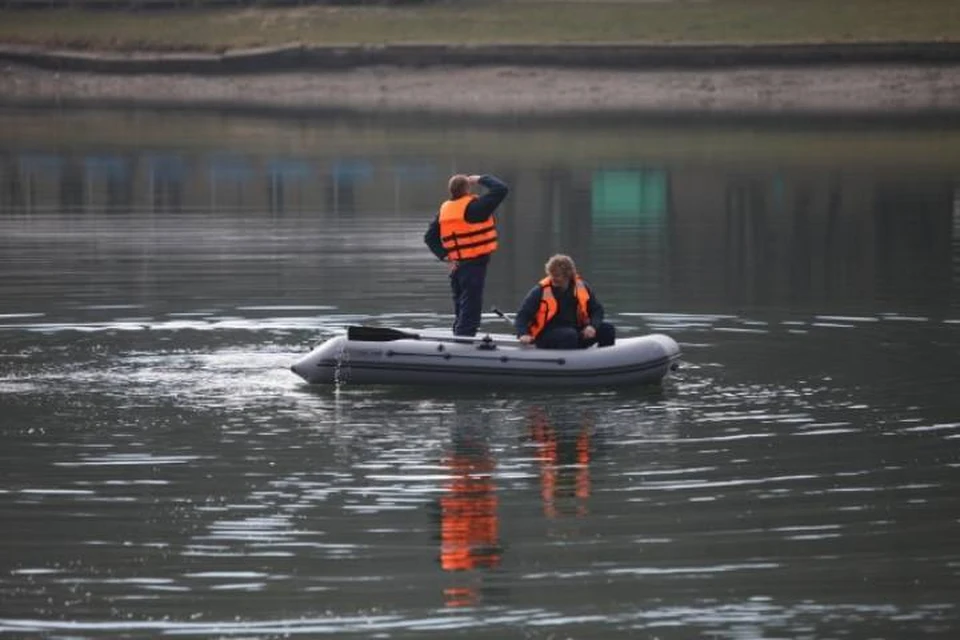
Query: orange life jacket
<point>548,305</point>
<point>465,240</point>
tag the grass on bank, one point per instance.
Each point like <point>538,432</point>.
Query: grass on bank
<point>492,21</point>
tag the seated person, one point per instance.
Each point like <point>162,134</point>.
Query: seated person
<point>561,311</point>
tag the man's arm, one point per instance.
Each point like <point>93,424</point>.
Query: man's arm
<point>525,314</point>
<point>432,239</point>
<point>484,206</point>
<point>594,309</point>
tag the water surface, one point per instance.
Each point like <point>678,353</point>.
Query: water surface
<point>166,474</point>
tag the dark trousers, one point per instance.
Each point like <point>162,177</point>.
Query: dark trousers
<point>466,283</point>
<point>570,338</point>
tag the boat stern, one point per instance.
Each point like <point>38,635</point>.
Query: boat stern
<point>671,350</point>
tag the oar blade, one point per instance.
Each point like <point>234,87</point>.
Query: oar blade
<point>378,334</point>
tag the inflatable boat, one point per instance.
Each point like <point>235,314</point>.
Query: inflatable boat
<point>381,355</point>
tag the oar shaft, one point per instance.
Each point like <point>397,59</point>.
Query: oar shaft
<point>503,315</point>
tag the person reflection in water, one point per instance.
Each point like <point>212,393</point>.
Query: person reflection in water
<point>564,460</point>
<point>562,312</point>
<point>469,525</point>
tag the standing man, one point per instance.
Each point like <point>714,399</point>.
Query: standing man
<point>464,234</point>
<point>562,311</point>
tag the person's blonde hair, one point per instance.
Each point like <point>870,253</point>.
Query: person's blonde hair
<point>458,186</point>
<point>561,264</point>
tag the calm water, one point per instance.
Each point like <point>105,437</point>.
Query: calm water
<point>165,474</point>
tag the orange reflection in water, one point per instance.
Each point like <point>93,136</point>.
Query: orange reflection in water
<point>564,464</point>
<point>469,525</point>
<point>469,522</point>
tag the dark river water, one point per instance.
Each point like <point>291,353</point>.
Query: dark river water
<point>165,474</point>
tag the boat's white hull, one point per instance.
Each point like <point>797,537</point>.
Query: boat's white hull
<point>437,360</point>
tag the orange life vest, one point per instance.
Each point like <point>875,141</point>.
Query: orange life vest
<point>465,240</point>
<point>548,305</point>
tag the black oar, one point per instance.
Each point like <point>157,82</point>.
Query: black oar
<point>379,334</point>
<point>386,334</point>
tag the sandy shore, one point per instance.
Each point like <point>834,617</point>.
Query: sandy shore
<point>884,89</point>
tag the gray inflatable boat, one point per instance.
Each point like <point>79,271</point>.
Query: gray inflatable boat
<point>380,355</point>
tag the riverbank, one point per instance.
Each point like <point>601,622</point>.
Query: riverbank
<point>727,57</point>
